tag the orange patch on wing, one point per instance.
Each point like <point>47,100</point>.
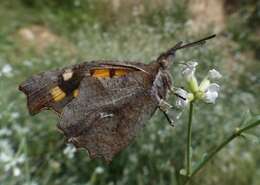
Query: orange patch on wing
<point>76,93</point>
<point>120,72</point>
<point>100,73</point>
<point>57,94</point>
<point>108,72</point>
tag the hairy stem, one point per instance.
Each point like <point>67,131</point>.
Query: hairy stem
<point>188,152</point>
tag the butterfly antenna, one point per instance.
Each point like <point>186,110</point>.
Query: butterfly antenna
<point>179,46</point>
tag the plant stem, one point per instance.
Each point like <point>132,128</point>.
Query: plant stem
<point>237,133</point>
<point>188,154</point>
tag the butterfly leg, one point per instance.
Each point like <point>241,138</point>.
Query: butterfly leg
<point>164,107</point>
<point>170,121</point>
<point>168,82</point>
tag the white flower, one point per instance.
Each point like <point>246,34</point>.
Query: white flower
<point>182,98</point>
<point>12,163</point>
<point>211,93</point>
<point>16,171</point>
<point>5,132</point>
<point>214,74</point>
<point>69,151</point>
<point>205,91</point>
<point>99,170</point>
<point>4,157</point>
<point>7,69</point>
<point>15,115</point>
<point>21,130</point>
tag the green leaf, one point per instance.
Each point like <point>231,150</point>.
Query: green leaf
<point>246,117</point>
<point>253,138</point>
<point>253,122</point>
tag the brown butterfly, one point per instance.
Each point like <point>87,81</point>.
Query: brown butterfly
<point>103,104</point>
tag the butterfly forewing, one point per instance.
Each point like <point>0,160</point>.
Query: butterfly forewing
<point>55,89</point>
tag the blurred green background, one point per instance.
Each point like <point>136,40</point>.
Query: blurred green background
<point>41,35</point>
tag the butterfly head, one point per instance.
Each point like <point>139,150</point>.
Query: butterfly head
<point>165,59</point>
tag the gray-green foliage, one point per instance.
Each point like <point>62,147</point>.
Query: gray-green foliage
<point>32,151</point>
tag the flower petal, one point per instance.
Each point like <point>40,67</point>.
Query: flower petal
<point>7,68</point>
<point>189,73</point>
<point>16,171</point>
<point>211,93</point>
<point>69,151</point>
<point>181,92</point>
<point>213,87</point>
<point>189,69</point>
<point>182,98</point>
<point>204,85</point>
<point>99,170</point>
<point>214,74</point>
<point>180,103</point>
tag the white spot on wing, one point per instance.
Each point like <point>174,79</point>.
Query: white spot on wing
<point>105,115</point>
<point>67,74</point>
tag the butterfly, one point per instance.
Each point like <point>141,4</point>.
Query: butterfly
<point>102,105</point>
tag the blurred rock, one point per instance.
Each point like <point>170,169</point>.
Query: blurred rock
<point>41,38</point>
<point>118,5</point>
<point>206,14</point>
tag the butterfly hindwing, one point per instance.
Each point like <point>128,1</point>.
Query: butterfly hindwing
<point>108,113</point>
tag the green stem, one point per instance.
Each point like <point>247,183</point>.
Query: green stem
<point>237,133</point>
<point>188,154</point>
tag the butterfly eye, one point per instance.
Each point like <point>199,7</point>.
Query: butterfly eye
<point>165,63</point>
